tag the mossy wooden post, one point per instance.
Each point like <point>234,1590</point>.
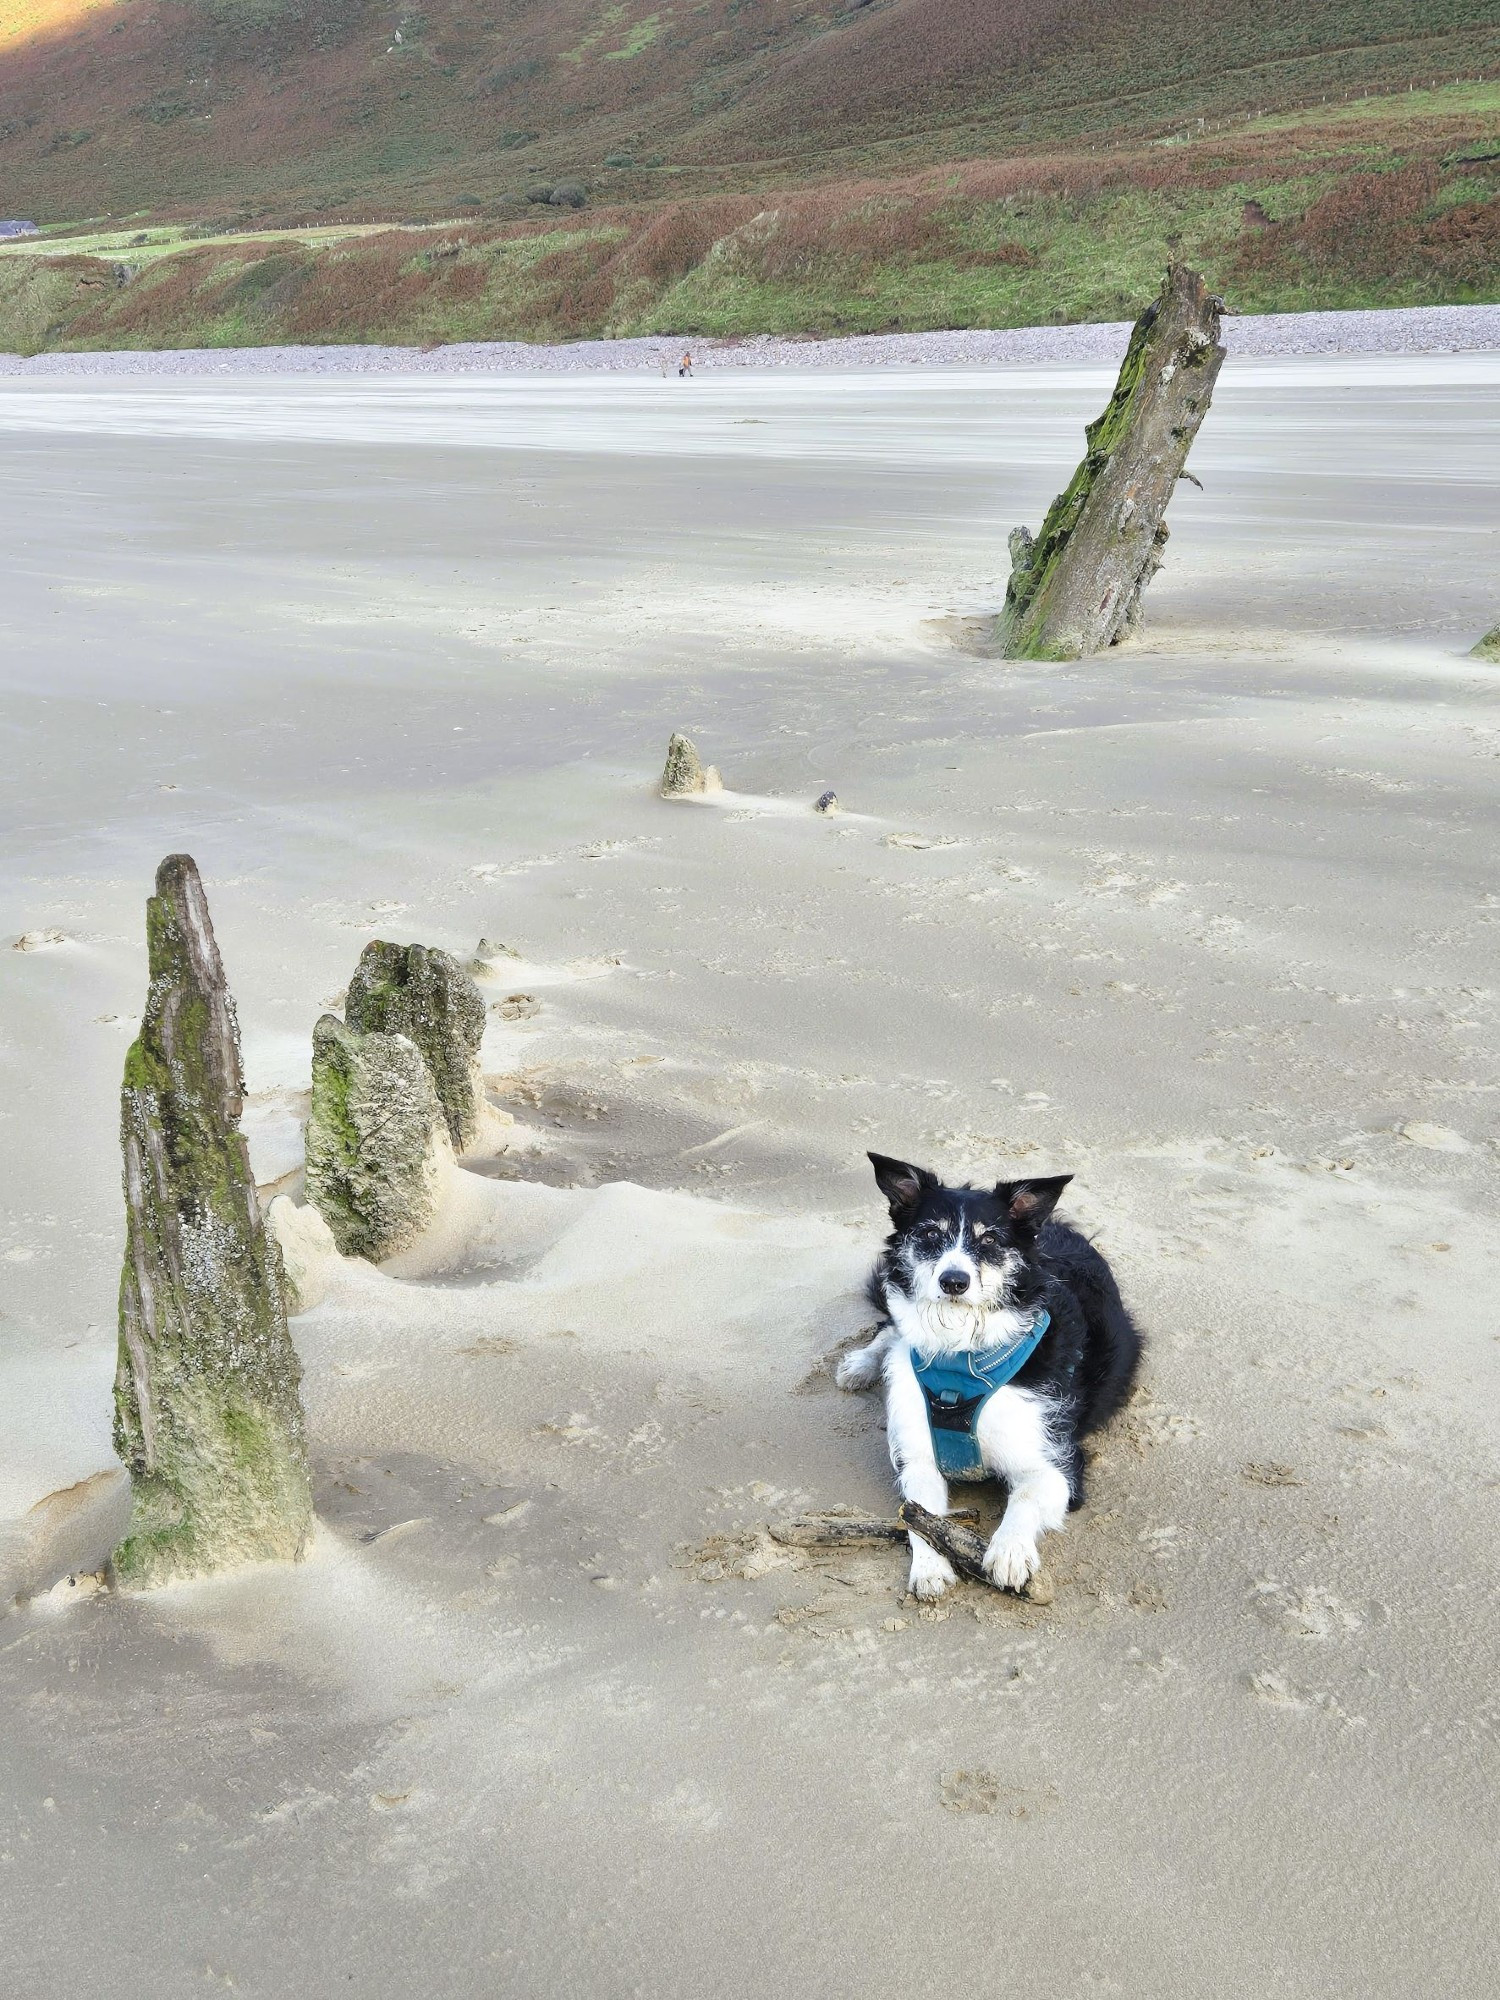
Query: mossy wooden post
<point>1076,588</point>
<point>424,994</point>
<point>685,775</point>
<point>208,1415</point>
<point>376,1135</point>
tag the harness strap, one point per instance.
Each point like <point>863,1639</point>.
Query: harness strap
<point>956,1388</point>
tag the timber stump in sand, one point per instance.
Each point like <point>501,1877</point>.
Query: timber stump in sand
<point>425,994</point>
<point>685,775</point>
<point>208,1414</point>
<point>376,1139</point>
<point>1075,587</point>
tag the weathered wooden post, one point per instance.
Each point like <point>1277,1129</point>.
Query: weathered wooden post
<point>376,1139</point>
<point>422,993</point>
<point>685,775</point>
<point>1076,587</point>
<point>395,1085</point>
<point>208,1415</point>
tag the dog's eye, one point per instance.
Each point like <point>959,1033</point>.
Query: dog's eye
<point>986,1239</point>
<point>930,1237</point>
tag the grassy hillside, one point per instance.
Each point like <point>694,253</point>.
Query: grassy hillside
<point>1363,209</point>
<point>746,165</point>
<point>284,110</point>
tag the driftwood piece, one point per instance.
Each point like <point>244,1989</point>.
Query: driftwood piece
<point>1076,587</point>
<point>1488,647</point>
<point>965,1550</point>
<point>952,1535</point>
<point>847,1531</point>
<point>208,1414</point>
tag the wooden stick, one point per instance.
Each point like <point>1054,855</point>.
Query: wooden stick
<point>848,1531</point>
<point>963,1548</point>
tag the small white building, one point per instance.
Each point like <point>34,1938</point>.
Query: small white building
<point>19,229</point>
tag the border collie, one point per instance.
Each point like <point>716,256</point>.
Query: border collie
<point>1004,1341</point>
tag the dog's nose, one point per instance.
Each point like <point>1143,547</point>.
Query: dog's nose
<point>954,1283</point>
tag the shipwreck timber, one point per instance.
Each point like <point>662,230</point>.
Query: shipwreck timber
<point>422,993</point>
<point>1076,586</point>
<point>377,1139</point>
<point>208,1412</point>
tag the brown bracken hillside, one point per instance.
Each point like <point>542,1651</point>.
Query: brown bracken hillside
<point>288,109</point>
<point>740,165</point>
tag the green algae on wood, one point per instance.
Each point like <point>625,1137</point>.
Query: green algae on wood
<point>1076,587</point>
<point>208,1412</point>
<point>684,774</point>
<point>376,1136</point>
<point>427,996</point>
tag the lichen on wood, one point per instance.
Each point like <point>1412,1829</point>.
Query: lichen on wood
<point>1488,647</point>
<point>376,1139</point>
<point>208,1413</point>
<point>684,774</point>
<point>426,995</point>
<point>1076,586</point>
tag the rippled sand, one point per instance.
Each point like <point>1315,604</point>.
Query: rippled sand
<point>1208,923</point>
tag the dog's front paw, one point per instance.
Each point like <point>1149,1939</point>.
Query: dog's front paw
<point>858,1369</point>
<point>1011,1560</point>
<point>931,1573</point>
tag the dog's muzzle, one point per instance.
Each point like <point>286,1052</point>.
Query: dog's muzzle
<point>953,1282</point>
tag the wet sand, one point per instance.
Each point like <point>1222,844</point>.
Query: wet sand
<point>1209,923</point>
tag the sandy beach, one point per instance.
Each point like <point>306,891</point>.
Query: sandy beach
<point>1208,923</point>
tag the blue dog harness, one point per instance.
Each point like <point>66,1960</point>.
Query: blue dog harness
<point>957,1387</point>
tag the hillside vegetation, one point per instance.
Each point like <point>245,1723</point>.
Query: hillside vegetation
<point>744,165</point>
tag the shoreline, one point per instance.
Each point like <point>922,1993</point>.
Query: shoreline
<point>1394,330</point>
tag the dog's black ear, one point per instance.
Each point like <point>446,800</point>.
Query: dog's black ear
<point>902,1186</point>
<point>1029,1203</point>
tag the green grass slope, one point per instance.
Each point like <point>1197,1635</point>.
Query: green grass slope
<point>1358,210</point>
<point>748,165</point>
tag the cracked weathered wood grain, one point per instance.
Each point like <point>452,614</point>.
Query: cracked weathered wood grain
<point>208,1411</point>
<point>1076,586</point>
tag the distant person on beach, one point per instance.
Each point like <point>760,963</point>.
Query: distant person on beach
<point>687,365</point>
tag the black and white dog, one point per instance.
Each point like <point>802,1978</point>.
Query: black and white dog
<point>1004,1342</point>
